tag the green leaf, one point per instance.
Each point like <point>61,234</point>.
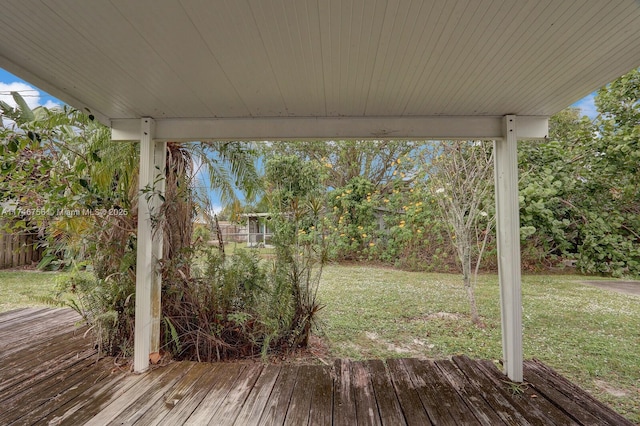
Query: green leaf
<point>26,114</point>
<point>5,107</point>
<point>46,261</point>
<point>12,145</point>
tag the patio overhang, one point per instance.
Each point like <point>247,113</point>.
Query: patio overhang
<point>158,70</point>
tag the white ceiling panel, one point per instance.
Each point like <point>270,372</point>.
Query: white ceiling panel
<point>126,59</point>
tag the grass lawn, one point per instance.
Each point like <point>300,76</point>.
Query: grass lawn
<point>19,289</point>
<point>590,335</point>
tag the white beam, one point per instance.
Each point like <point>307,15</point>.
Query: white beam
<point>145,264</point>
<point>280,128</point>
<point>508,238</point>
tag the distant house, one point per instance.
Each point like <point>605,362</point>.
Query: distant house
<point>257,230</point>
<point>231,232</point>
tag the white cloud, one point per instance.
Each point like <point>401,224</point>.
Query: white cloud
<point>215,209</point>
<point>52,105</point>
<point>31,95</point>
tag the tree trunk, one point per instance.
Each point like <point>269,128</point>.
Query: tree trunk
<point>219,235</point>
<point>177,208</point>
<point>468,285</point>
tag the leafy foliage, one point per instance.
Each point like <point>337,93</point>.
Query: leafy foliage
<point>295,194</point>
<point>580,190</point>
<point>354,218</point>
<point>229,308</point>
<point>53,174</point>
<point>345,160</point>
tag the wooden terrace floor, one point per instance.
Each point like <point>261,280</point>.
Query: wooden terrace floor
<point>50,374</point>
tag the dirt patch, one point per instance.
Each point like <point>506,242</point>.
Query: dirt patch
<point>443,315</point>
<point>625,287</point>
<point>316,353</point>
<point>610,389</point>
<point>371,335</point>
<point>398,349</point>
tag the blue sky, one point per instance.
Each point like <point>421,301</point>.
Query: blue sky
<point>35,97</point>
<point>587,105</point>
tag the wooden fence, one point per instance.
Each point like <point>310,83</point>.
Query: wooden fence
<point>18,250</point>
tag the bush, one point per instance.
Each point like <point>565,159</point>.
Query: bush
<point>107,306</point>
<point>232,308</point>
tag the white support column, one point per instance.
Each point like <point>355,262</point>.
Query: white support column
<point>145,264</point>
<point>160,159</point>
<point>508,236</point>
<point>264,231</point>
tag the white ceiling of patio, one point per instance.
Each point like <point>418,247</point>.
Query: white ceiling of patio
<point>177,59</point>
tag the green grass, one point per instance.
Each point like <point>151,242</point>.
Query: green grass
<point>590,335</point>
<point>263,252</point>
<point>20,289</point>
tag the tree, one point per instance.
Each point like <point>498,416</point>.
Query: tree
<point>611,239</point>
<point>458,174</point>
<point>229,167</point>
<point>352,209</point>
<point>580,190</point>
<point>63,165</point>
<point>294,188</point>
<point>344,160</point>
<point>64,177</point>
<point>552,189</point>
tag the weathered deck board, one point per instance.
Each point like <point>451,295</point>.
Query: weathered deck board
<point>387,400</point>
<point>73,389</point>
<point>276,409</point>
<point>300,402</point>
<point>19,313</point>
<point>257,400</point>
<point>469,394</point>
<point>129,404</point>
<point>434,404</point>
<point>19,374</point>
<point>162,382</point>
<point>485,388</point>
<point>414,412</point>
<point>321,388</point>
<point>55,379</point>
<point>545,388</point>
<point>190,392</point>
<point>95,399</point>
<point>344,406</point>
<point>585,402</point>
<point>441,392</point>
<point>525,398</point>
<point>232,403</point>
<point>52,390</point>
<point>365,397</point>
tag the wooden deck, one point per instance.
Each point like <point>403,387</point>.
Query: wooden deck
<point>50,374</point>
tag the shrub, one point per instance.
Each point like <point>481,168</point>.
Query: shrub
<point>232,308</point>
<point>107,306</point>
